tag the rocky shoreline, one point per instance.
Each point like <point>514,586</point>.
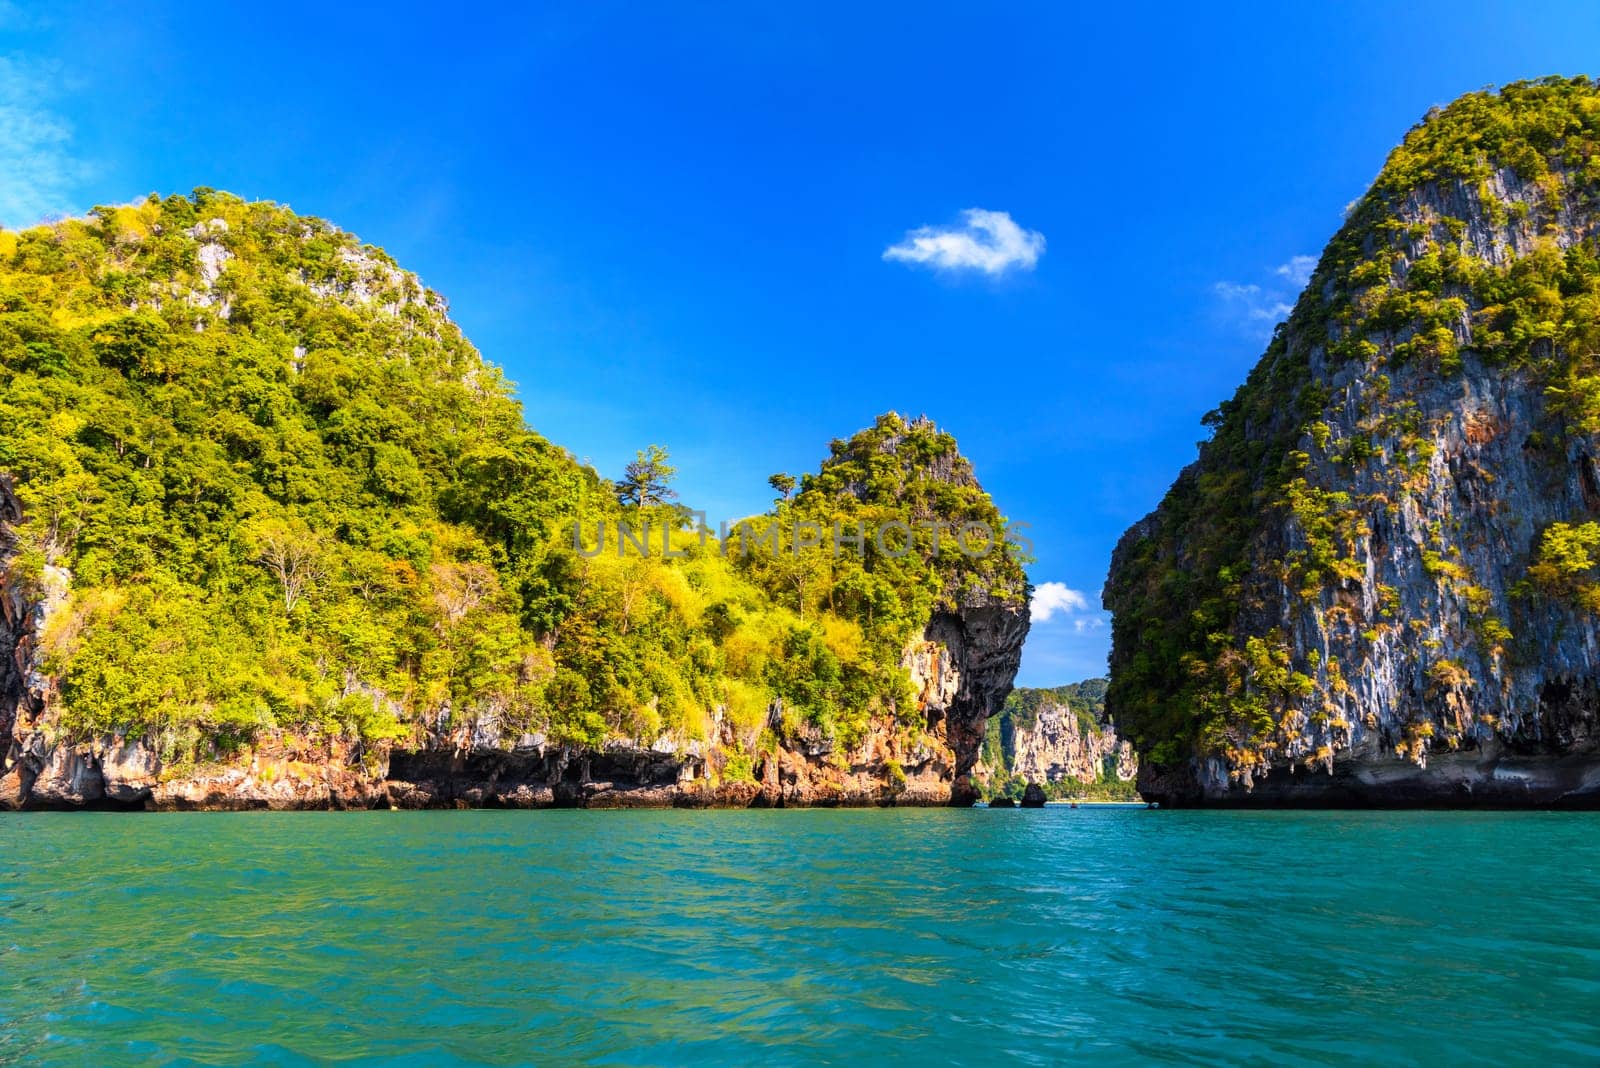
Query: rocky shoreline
<point>1490,776</point>
<point>127,775</point>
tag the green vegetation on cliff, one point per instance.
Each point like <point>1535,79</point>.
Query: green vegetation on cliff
<point>1199,664</point>
<point>268,484</point>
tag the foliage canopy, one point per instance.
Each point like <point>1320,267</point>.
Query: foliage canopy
<point>286,493</point>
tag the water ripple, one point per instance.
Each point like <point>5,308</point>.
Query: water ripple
<point>1125,936</point>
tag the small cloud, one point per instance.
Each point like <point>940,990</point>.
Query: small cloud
<point>40,171</point>
<point>988,241</point>
<point>1259,307</point>
<point>1072,642</point>
<point>1252,302</point>
<point>1052,598</point>
<point>1298,269</point>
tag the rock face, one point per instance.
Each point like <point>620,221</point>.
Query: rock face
<point>1056,737</point>
<point>1058,747</point>
<point>983,649</point>
<point>1384,620</point>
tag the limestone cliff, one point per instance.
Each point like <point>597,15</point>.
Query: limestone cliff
<point>1375,586</point>
<point>1059,749</point>
<point>1058,738</point>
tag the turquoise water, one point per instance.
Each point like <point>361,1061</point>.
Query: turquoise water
<point>1123,936</point>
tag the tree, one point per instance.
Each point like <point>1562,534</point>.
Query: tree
<point>645,481</point>
<point>292,553</point>
<point>458,589</point>
<point>782,483</point>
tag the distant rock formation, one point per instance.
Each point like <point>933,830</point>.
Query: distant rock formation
<point>1061,746</point>
<point>1058,738</point>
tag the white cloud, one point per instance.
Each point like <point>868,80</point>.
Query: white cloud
<point>1298,269</point>
<point>1072,642</point>
<point>39,171</point>
<point>1253,303</point>
<point>1259,307</point>
<point>1052,598</point>
<point>988,241</point>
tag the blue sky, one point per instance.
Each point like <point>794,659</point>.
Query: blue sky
<point>671,227</point>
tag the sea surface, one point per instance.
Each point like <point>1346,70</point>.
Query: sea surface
<point>1115,936</point>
